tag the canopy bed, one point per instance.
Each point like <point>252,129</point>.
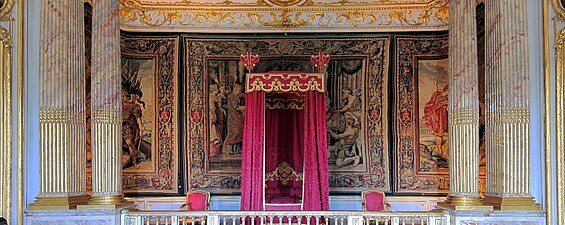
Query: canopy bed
<point>284,155</point>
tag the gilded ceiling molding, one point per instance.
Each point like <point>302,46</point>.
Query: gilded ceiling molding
<point>283,15</point>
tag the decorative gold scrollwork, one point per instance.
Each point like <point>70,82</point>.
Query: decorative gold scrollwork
<point>310,14</point>
<point>559,7</point>
<point>5,8</point>
<point>284,173</point>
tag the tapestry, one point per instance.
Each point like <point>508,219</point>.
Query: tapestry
<point>420,115</point>
<point>149,114</point>
<point>357,106</point>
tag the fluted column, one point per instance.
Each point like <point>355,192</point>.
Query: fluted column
<point>507,112</point>
<point>106,106</point>
<point>62,106</point>
<point>463,108</point>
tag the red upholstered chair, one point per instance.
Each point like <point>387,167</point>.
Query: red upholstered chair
<point>197,200</point>
<point>373,200</point>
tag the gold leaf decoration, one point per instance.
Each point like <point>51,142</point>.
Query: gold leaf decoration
<point>286,15</point>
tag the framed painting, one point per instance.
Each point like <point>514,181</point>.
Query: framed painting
<point>215,107</point>
<point>150,155</point>
<point>420,115</point>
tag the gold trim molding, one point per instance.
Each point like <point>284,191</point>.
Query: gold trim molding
<point>283,15</point>
<point>106,116</point>
<point>464,203</point>
<point>560,125</point>
<point>6,152</point>
<point>511,203</point>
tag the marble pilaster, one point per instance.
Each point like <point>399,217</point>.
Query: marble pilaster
<point>106,104</point>
<point>62,106</point>
<point>463,108</point>
<point>507,100</point>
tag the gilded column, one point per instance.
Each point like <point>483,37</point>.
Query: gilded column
<point>507,112</point>
<point>62,106</point>
<point>463,121</point>
<point>106,104</point>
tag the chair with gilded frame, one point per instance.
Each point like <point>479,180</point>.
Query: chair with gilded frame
<point>374,200</point>
<point>197,200</point>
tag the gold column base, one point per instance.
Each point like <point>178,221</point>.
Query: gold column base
<point>106,202</point>
<point>463,203</point>
<point>512,203</point>
<point>58,203</point>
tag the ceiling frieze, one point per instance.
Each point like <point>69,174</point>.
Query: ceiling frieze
<point>283,15</point>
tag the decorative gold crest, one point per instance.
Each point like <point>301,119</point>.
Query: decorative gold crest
<point>285,2</point>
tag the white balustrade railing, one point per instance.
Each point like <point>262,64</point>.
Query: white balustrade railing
<point>136,217</point>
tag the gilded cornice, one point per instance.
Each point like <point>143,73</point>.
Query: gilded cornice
<point>283,15</point>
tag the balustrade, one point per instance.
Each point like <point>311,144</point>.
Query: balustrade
<point>136,217</point>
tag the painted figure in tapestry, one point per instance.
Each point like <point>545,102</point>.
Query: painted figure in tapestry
<point>344,114</point>
<point>347,154</point>
<point>135,149</point>
<point>217,117</point>
<point>433,93</point>
<point>226,113</point>
<point>344,111</point>
<point>235,108</point>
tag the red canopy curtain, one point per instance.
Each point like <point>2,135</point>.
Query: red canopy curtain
<point>308,141</point>
<point>283,144</point>
<point>316,180</point>
<point>252,183</point>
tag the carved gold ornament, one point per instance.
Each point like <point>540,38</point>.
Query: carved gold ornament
<point>284,173</point>
<point>5,8</point>
<point>285,2</point>
<point>559,8</point>
<point>288,15</point>
<point>285,82</point>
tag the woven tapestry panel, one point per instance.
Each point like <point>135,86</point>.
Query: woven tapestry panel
<point>357,79</point>
<point>420,115</point>
<point>150,97</point>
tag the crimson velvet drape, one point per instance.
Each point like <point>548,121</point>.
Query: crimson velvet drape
<point>316,179</point>
<point>295,136</point>
<point>283,143</point>
<point>252,177</point>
